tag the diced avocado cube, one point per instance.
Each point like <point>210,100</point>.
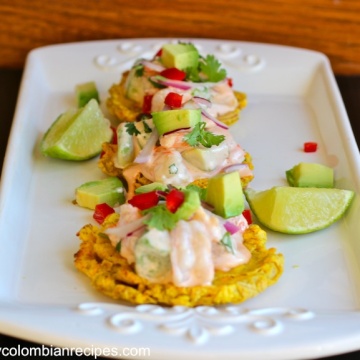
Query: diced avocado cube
<point>180,56</point>
<point>85,92</point>
<point>109,190</point>
<point>189,206</point>
<point>310,175</point>
<point>171,120</point>
<point>151,187</point>
<point>206,159</point>
<point>225,194</point>
<point>125,151</point>
<point>152,256</point>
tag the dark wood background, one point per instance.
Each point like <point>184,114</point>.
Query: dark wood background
<point>328,26</point>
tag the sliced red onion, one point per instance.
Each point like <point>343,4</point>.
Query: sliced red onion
<point>161,194</point>
<point>178,84</point>
<point>230,227</point>
<point>202,101</point>
<point>214,119</point>
<point>207,206</point>
<point>243,169</point>
<point>152,66</point>
<point>145,154</point>
<point>119,232</point>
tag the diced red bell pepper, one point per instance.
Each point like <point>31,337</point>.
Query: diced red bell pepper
<point>146,108</point>
<point>102,211</point>
<point>173,99</point>
<point>174,200</point>
<point>114,139</point>
<point>230,82</point>
<point>247,215</point>
<point>158,53</point>
<point>310,146</point>
<point>173,74</point>
<point>145,201</point>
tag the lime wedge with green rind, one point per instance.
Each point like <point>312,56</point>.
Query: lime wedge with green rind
<point>293,210</point>
<point>77,134</point>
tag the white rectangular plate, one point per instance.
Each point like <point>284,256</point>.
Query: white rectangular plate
<point>292,98</point>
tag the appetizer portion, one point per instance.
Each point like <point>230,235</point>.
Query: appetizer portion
<point>177,147</point>
<point>170,247</point>
<point>180,69</point>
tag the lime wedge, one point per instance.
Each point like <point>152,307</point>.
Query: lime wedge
<point>77,134</point>
<point>298,210</point>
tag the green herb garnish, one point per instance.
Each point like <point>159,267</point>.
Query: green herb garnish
<point>131,129</point>
<point>161,218</point>
<point>209,69</point>
<point>199,135</point>
<point>118,246</point>
<point>147,128</point>
<point>173,169</point>
<point>103,235</point>
<point>201,191</point>
<point>226,241</point>
<point>139,70</point>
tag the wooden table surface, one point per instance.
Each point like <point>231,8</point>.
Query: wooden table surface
<point>328,26</point>
<point>9,85</point>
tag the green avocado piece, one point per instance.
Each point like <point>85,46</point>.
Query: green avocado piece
<point>150,187</point>
<point>225,194</point>
<point>206,159</point>
<point>180,56</point>
<point>310,175</point>
<point>137,85</point>
<point>189,206</point>
<point>85,92</point>
<point>109,190</point>
<point>152,255</point>
<point>170,120</point>
<point>126,150</point>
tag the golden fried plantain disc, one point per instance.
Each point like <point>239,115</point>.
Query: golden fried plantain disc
<point>111,274</point>
<point>125,109</point>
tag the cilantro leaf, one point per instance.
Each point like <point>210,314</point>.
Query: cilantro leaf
<point>211,68</point>
<point>118,247</point>
<point>147,128</point>
<point>131,129</point>
<point>201,191</point>
<point>139,70</point>
<point>199,135</point>
<point>226,241</point>
<point>192,74</point>
<point>161,218</point>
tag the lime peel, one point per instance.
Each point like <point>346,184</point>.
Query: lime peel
<point>298,210</point>
<point>77,134</point>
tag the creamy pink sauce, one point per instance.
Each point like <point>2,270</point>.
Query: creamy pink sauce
<point>169,155</point>
<point>196,250</point>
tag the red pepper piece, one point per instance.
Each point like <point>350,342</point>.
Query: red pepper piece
<point>247,215</point>
<point>158,53</point>
<point>310,146</point>
<point>174,200</point>
<point>102,211</point>
<point>173,99</point>
<point>173,74</point>
<point>230,82</point>
<point>145,201</point>
<point>114,139</point>
<point>146,108</point>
